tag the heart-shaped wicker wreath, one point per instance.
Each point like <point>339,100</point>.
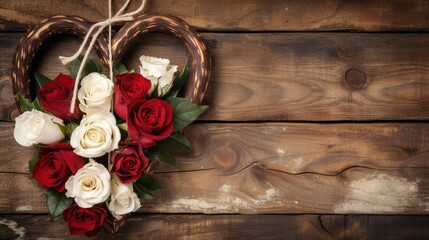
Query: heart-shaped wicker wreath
<point>199,67</point>
<point>199,64</point>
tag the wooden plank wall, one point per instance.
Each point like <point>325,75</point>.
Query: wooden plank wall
<point>317,128</point>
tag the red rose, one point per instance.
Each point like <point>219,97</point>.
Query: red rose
<point>57,162</point>
<point>149,121</point>
<point>86,221</point>
<point>128,163</point>
<point>129,87</point>
<point>56,95</point>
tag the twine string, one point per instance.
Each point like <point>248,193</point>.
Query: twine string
<point>118,17</point>
<point>110,43</point>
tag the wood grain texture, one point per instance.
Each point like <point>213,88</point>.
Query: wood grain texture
<point>319,77</point>
<point>237,15</point>
<point>286,76</point>
<point>8,110</point>
<point>263,74</point>
<point>273,168</point>
<point>295,148</point>
<point>233,227</point>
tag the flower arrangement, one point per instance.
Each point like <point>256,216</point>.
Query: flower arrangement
<point>94,162</point>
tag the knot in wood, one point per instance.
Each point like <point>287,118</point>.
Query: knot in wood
<point>355,79</point>
<point>225,156</point>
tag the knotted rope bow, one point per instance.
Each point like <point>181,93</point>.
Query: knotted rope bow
<point>119,17</point>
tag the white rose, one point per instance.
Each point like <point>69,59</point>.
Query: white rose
<point>159,72</point>
<point>95,93</point>
<point>90,185</point>
<point>123,199</point>
<point>33,127</point>
<point>96,135</point>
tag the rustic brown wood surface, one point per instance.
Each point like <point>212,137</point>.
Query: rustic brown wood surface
<point>259,170</point>
<point>232,227</point>
<point>323,77</point>
<point>238,15</point>
<point>272,168</point>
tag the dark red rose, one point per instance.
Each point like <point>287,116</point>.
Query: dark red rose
<point>129,87</point>
<point>149,121</point>
<point>128,163</point>
<point>57,162</point>
<point>86,221</point>
<point>56,95</point>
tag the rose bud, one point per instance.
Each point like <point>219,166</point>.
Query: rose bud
<point>123,199</point>
<point>57,162</point>
<point>56,95</point>
<point>128,163</point>
<point>129,87</point>
<point>34,127</point>
<point>159,72</point>
<point>86,221</point>
<point>149,121</point>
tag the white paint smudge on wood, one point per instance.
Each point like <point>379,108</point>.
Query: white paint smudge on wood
<point>12,225</point>
<point>20,208</point>
<point>298,162</point>
<point>225,188</point>
<point>380,193</point>
<point>280,152</point>
<point>226,202</point>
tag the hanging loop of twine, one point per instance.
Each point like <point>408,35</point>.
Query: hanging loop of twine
<point>118,17</point>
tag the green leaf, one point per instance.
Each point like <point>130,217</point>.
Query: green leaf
<point>89,67</point>
<point>181,80</point>
<point>184,111</point>
<point>145,185</point>
<point>119,68</point>
<point>41,79</point>
<point>177,142</point>
<point>162,153</point>
<point>145,194</point>
<point>173,93</point>
<point>123,126</point>
<point>25,103</point>
<point>155,91</point>
<point>69,128</point>
<point>33,161</point>
<point>57,202</point>
<point>63,128</point>
<point>37,105</point>
<point>142,191</point>
<point>150,183</point>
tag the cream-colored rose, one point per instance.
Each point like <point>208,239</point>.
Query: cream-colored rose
<point>123,199</point>
<point>96,135</point>
<point>90,185</point>
<point>33,127</point>
<point>95,93</point>
<point>159,72</point>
